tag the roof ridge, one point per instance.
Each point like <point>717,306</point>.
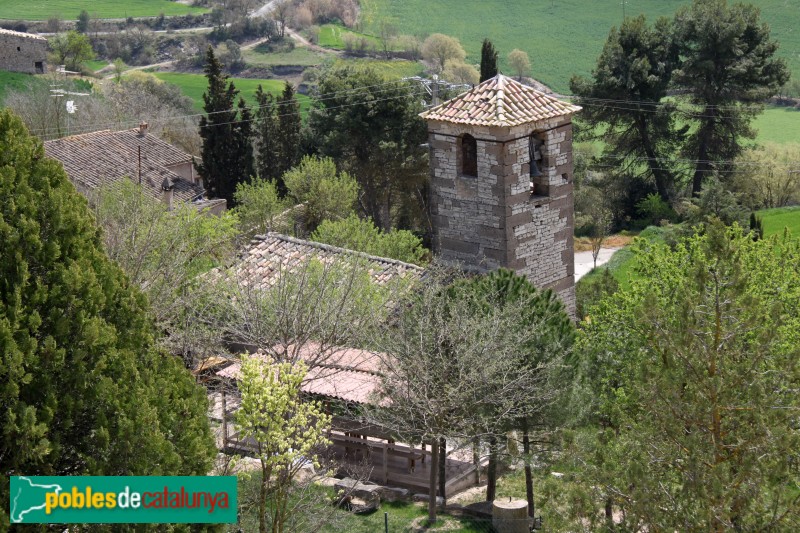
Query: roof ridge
<point>335,249</point>
<point>87,134</point>
<point>501,97</point>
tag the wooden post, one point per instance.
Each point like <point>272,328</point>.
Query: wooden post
<point>386,464</point>
<point>224,422</point>
<point>476,460</point>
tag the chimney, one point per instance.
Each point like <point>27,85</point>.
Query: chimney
<point>142,128</point>
<point>166,189</point>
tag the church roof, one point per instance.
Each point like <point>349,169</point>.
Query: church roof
<point>500,101</point>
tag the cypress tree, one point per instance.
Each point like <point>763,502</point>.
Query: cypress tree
<point>266,136</point>
<point>226,160</point>
<point>488,60</point>
<point>82,388</point>
<point>289,124</point>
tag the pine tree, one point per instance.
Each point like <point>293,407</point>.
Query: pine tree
<point>227,159</point>
<point>488,60</point>
<point>82,389</point>
<point>266,137</point>
<point>289,124</point>
<point>729,67</point>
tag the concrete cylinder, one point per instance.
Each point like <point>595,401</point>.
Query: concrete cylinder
<point>510,516</point>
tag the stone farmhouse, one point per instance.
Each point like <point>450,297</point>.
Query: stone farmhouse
<point>101,158</point>
<point>22,52</point>
<point>502,183</point>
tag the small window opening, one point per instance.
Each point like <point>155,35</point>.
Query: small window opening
<point>469,155</point>
<point>18,49</point>
<point>39,66</point>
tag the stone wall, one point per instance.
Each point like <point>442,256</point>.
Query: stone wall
<point>20,52</point>
<point>493,220</point>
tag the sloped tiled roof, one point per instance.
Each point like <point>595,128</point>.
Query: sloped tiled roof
<point>21,34</point>
<point>103,157</point>
<point>500,101</point>
<point>348,374</point>
<point>271,254</point>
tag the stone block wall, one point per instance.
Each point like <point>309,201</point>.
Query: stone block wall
<point>20,53</point>
<point>493,220</point>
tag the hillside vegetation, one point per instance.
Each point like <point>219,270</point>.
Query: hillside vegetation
<point>561,37</point>
<point>69,9</point>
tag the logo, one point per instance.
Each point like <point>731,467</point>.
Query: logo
<point>123,500</point>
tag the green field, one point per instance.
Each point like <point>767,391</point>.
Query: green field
<point>300,56</point>
<point>779,125</point>
<point>776,220</point>
<point>194,85</point>
<point>70,9</point>
<point>330,36</point>
<point>561,37</point>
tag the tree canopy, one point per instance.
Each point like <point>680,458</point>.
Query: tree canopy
<point>488,60</point>
<point>692,375</point>
<point>227,153</point>
<point>370,126</point>
<point>82,388</point>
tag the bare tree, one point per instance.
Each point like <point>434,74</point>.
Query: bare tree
<point>457,368</point>
<point>282,14</point>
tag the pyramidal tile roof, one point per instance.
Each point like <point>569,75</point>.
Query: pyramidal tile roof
<point>500,101</point>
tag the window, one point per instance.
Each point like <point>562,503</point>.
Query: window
<point>469,155</point>
<point>18,49</point>
<point>39,67</point>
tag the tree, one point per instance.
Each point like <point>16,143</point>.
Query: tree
<point>715,202</point>
<point>457,72</point>
<point>546,335</point>
<point>519,62</point>
<point>359,234</point>
<point>227,154</point>
<point>635,67</point>
<point>288,431</point>
<point>728,67</point>
<point>438,49</point>
<point>83,389</point>
<point>488,61</point>
<point>471,335</point>
<point>288,134</point>
<point>326,193</point>
<point>232,56</point>
<point>162,251</point>
<point>769,176</point>
<point>691,371</point>
<point>259,207</point>
<point>387,32</point>
<point>266,140</point>
<point>370,126</point>
<point>71,49</point>
<point>82,25</point>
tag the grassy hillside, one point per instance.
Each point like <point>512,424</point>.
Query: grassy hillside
<point>194,85</point>
<point>15,81</point>
<point>562,37</point>
<point>70,9</point>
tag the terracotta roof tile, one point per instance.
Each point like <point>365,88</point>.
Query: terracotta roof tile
<point>270,255</point>
<point>500,101</point>
<point>350,374</point>
<point>103,157</point>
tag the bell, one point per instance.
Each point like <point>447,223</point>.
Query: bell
<point>535,172</point>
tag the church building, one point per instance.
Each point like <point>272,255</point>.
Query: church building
<point>502,183</point>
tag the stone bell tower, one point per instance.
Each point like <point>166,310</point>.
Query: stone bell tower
<point>502,183</point>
